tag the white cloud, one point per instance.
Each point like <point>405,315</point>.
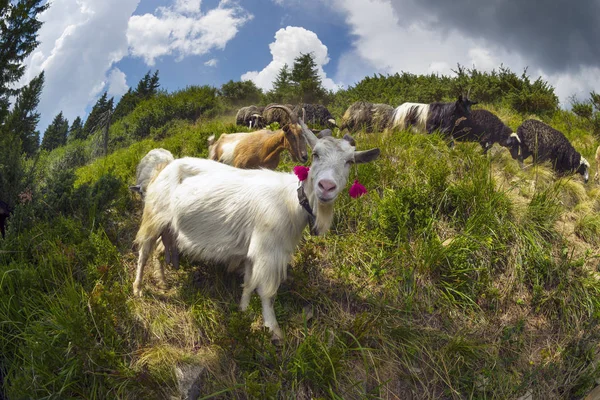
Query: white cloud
<point>80,41</point>
<point>188,6</point>
<point>212,62</point>
<point>289,43</point>
<point>117,85</point>
<point>396,35</point>
<point>183,30</point>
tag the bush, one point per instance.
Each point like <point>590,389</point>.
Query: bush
<point>498,87</point>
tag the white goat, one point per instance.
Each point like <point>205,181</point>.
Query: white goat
<point>249,218</point>
<point>147,168</point>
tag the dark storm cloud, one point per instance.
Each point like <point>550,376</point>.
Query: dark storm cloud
<point>557,35</point>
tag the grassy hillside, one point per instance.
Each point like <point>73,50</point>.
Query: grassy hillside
<point>457,276</point>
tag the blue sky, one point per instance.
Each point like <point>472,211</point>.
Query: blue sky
<point>89,46</point>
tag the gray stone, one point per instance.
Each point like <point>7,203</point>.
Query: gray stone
<point>189,380</point>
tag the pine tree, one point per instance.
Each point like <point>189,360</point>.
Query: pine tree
<point>76,130</point>
<point>283,87</point>
<point>98,116</point>
<point>146,88</point>
<point>18,38</point>
<point>56,133</point>
<point>23,119</point>
<point>309,87</point>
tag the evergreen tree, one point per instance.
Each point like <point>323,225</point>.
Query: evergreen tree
<point>18,38</point>
<point>76,130</point>
<point>23,119</point>
<point>98,116</point>
<point>56,134</point>
<point>283,87</point>
<point>309,88</point>
<point>146,88</point>
<point>238,93</point>
<point>126,105</point>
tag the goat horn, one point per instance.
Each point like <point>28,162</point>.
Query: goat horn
<point>292,115</point>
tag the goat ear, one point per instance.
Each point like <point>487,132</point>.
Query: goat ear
<point>311,138</point>
<point>350,139</point>
<point>324,133</point>
<point>460,98</point>
<point>361,157</point>
<point>136,188</point>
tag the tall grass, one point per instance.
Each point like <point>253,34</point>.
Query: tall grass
<point>448,279</point>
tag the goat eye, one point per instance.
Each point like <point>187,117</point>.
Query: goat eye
<point>315,156</point>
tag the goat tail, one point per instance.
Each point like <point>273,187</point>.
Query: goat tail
<point>211,140</point>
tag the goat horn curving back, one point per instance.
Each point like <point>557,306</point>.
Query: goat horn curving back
<point>292,115</point>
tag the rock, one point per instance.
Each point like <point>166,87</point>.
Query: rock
<point>594,394</point>
<point>527,396</point>
<point>189,380</point>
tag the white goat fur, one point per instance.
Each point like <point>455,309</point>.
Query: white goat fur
<point>147,167</point>
<point>146,170</point>
<point>243,217</point>
<point>402,115</point>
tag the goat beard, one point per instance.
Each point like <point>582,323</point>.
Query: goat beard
<point>324,218</point>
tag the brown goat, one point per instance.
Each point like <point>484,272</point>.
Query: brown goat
<point>261,149</point>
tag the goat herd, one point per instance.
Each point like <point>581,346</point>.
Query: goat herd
<point>233,209</point>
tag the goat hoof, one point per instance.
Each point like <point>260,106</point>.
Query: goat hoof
<point>277,337</point>
<point>137,290</point>
<point>276,340</point>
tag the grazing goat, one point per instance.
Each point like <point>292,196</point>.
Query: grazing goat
<point>271,115</point>
<point>147,170</point>
<point>486,128</point>
<point>315,114</point>
<point>250,219</point>
<point>545,143</point>
<point>250,116</point>
<point>261,149</point>
<point>368,116</point>
<point>4,214</point>
<point>428,118</point>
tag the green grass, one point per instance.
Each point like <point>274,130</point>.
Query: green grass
<point>457,276</point>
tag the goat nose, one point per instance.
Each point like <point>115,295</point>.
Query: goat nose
<point>304,158</point>
<point>327,185</point>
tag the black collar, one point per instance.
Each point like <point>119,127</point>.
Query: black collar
<point>303,200</point>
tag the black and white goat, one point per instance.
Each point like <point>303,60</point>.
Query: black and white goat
<point>250,116</point>
<point>428,118</point>
<point>246,219</point>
